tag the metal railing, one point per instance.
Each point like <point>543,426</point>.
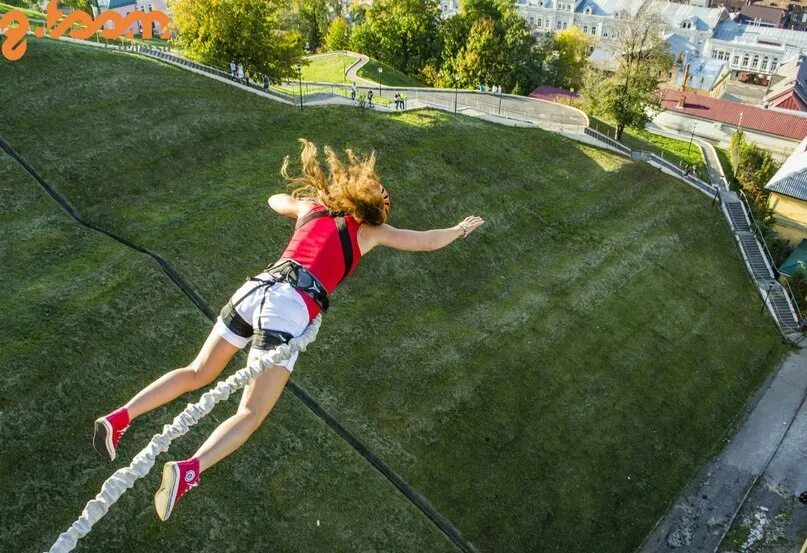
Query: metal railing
<point>608,140</point>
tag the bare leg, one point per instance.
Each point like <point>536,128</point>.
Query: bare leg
<point>256,403</point>
<point>212,358</point>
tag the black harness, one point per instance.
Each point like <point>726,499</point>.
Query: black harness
<point>300,277</point>
<point>288,270</point>
<point>344,234</point>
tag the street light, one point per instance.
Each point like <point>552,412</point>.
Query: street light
<point>500,100</point>
<point>691,137</point>
<point>455,95</point>
<point>380,70</point>
<point>300,76</point>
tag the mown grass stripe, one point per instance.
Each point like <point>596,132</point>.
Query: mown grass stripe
<point>408,491</point>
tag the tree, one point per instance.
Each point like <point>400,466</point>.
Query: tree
<point>489,42</point>
<point>629,95</point>
<point>753,167</point>
<point>402,33</point>
<point>338,37</point>
<point>798,283</point>
<point>568,51</point>
<point>246,31</point>
<point>311,18</point>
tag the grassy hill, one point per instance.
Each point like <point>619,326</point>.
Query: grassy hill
<point>332,67</point>
<point>389,76</point>
<point>549,384</point>
<point>329,68</point>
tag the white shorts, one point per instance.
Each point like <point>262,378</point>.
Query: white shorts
<point>263,314</point>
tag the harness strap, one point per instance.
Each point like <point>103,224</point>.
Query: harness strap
<point>347,247</point>
<point>310,216</point>
<point>344,234</point>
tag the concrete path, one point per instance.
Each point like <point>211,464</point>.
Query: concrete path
<point>701,517</point>
<point>716,176</point>
<point>352,71</point>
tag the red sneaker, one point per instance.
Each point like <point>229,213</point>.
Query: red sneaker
<point>108,431</point>
<point>178,478</point>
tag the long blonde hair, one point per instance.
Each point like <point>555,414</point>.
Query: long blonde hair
<point>351,188</point>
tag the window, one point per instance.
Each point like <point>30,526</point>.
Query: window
<point>558,26</point>
<point>585,29</point>
<point>755,63</point>
<point>539,23</point>
<point>736,60</point>
<point>686,24</point>
<point>587,11</point>
<point>774,64</point>
<point>605,33</point>
<point>745,60</point>
<point>764,63</point>
<point>594,30</point>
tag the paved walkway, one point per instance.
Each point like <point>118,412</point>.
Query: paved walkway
<point>352,71</point>
<point>701,517</point>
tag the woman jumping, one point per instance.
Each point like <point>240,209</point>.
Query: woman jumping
<point>340,217</point>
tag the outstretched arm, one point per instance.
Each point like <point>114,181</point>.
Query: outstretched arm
<point>419,240</point>
<point>289,206</point>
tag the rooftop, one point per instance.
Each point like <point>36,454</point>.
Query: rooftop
<point>774,16</point>
<point>797,259</point>
<point>763,120</point>
<point>703,19</point>
<point>610,7</point>
<point>754,34</point>
<point>703,73</point>
<point>552,94</point>
<point>791,178</point>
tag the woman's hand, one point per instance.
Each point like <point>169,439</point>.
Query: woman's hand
<point>469,224</point>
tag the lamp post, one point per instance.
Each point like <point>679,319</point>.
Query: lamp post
<point>300,77</point>
<point>455,95</point>
<point>691,136</point>
<point>500,100</point>
<point>380,70</point>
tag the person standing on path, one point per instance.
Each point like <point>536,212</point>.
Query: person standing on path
<point>370,98</point>
<point>353,91</point>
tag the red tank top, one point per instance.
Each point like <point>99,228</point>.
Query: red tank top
<point>317,247</point>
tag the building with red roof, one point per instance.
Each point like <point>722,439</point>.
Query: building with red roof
<point>553,94</point>
<point>717,119</point>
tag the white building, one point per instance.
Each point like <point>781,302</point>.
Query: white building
<point>594,17</point>
<point>692,30</point>
<point>753,48</point>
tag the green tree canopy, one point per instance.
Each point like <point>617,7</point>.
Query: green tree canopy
<point>628,95</point>
<point>567,57</point>
<point>402,33</point>
<point>246,31</point>
<point>338,37</point>
<point>312,18</point>
<point>753,167</point>
<point>489,43</point>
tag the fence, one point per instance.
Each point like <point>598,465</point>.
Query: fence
<point>607,140</point>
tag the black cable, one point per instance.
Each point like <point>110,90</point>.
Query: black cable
<point>410,493</point>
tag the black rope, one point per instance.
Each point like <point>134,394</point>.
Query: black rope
<point>410,493</point>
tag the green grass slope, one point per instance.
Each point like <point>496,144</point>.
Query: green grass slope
<point>330,68</point>
<point>549,384</point>
<point>389,76</point>
<point>85,324</point>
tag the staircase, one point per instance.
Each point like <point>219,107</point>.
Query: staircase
<point>776,298</point>
<point>736,215</point>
